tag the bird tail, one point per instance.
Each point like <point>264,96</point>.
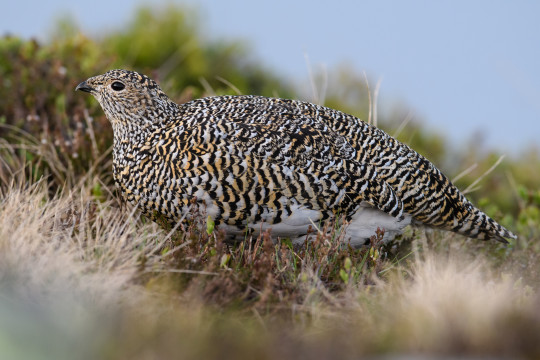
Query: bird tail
<point>479,225</point>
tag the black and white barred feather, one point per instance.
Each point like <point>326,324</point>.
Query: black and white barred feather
<point>257,162</point>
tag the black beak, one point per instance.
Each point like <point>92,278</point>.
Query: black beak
<point>84,87</point>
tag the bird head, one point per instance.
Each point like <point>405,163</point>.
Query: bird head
<point>128,97</point>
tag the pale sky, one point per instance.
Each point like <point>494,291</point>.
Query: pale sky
<point>464,67</point>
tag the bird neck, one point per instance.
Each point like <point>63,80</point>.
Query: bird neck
<point>130,133</point>
<point>133,134</point>
<point>135,127</point>
<point>130,140</point>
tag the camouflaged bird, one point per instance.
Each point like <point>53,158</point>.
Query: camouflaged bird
<point>255,162</point>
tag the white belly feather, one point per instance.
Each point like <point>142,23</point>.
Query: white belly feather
<point>367,219</point>
<point>358,231</point>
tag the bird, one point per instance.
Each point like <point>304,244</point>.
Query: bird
<point>256,163</point>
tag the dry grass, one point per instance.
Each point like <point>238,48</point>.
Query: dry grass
<point>67,264</point>
<point>84,277</point>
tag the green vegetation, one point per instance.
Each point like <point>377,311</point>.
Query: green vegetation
<point>82,276</point>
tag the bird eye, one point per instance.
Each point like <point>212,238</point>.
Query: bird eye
<point>117,86</point>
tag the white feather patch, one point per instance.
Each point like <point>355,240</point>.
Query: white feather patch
<point>362,226</point>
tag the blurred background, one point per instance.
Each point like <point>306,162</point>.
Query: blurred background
<point>457,81</point>
<point>468,68</point>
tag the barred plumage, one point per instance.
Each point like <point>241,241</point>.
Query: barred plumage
<point>257,162</point>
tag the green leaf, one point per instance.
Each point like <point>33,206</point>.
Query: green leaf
<point>209,225</point>
<point>97,192</point>
<point>348,264</point>
<point>523,192</point>
<point>224,260</point>
<point>344,276</point>
<point>536,197</point>
<point>373,253</point>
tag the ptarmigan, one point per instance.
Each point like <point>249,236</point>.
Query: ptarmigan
<point>255,163</point>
